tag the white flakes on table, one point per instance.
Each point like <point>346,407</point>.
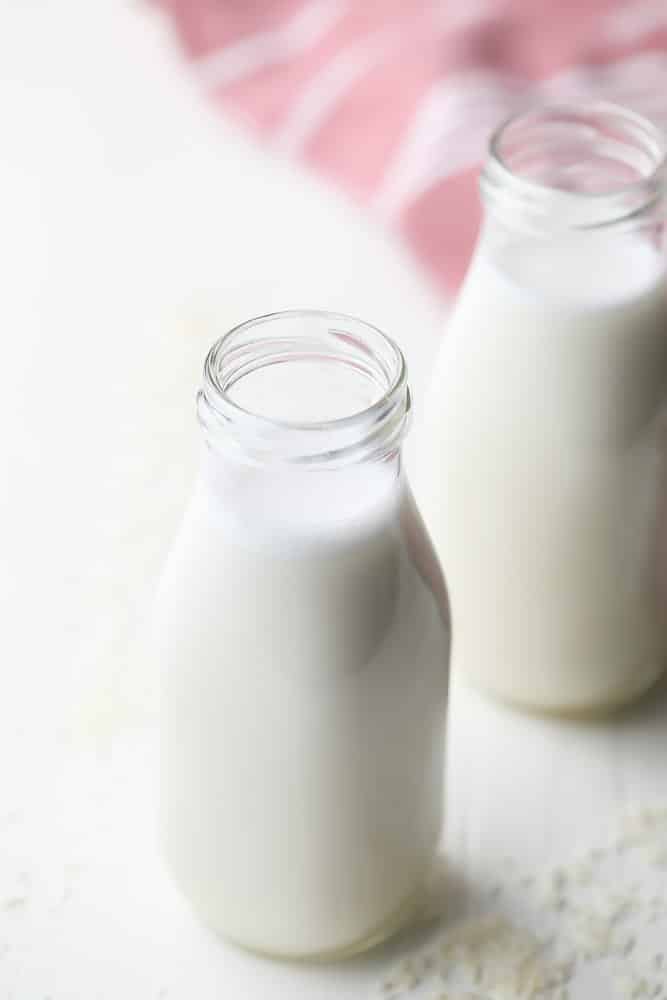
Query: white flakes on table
<point>486,953</point>
<point>15,888</point>
<point>8,819</point>
<point>658,857</point>
<point>578,928</point>
<point>620,907</point>
<point>403,979</point>
<point>14,902</point>
<point>629,945</point>
<point>582,873</point>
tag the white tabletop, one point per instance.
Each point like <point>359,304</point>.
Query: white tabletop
<point>136,225</point>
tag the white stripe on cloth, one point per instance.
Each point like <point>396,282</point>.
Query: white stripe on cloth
<point>454,119</point>
<point>336,79</point>
<point>638,81</point>
<point>451,126</point>
<point>329,87</point>
<point>243,59</point>
<point>634,22</point>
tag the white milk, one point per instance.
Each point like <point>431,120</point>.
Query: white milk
<point>304,658</point>
<point>542,474</point>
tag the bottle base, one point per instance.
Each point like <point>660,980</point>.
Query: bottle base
<point>613,703</point>
<point>401,918</point>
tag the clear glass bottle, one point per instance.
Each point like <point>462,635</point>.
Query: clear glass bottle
<point>303,634</point>
<point>542,476</point>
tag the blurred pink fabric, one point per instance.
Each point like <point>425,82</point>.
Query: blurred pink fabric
<point>394,100</point>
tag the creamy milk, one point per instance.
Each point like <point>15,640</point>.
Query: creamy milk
<point>542,474</point>
<point>304,660</point>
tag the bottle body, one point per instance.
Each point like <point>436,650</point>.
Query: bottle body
<point>302,631</point>
<point>547,505</point>
<point>543,480</point>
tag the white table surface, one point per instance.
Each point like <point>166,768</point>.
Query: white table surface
<point>135,226</point>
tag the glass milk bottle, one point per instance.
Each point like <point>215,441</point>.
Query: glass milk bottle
<point>542,474</point>
<point>303,634</point>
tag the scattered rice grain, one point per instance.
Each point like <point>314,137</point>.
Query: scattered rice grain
<point>14,902</point>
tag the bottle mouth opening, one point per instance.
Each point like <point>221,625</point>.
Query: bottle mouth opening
<point>576,166</point>
<point>304,386</point>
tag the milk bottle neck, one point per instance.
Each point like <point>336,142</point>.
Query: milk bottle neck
<point>305,389</point>
<point>576,169</point>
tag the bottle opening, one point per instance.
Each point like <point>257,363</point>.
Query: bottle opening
<point>576,166</point>
<point>305,386</point>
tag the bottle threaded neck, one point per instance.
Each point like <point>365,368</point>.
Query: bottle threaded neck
<point>307,387</point>
<point>579,166</point>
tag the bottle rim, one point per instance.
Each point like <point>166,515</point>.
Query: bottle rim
<point>372,433</point>
<point>599,134</point>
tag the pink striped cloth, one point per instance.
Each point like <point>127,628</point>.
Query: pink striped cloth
<point>394,99</point>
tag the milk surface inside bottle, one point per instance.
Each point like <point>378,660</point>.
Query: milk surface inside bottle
<point>302,631</point>
<point>542,473</point>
